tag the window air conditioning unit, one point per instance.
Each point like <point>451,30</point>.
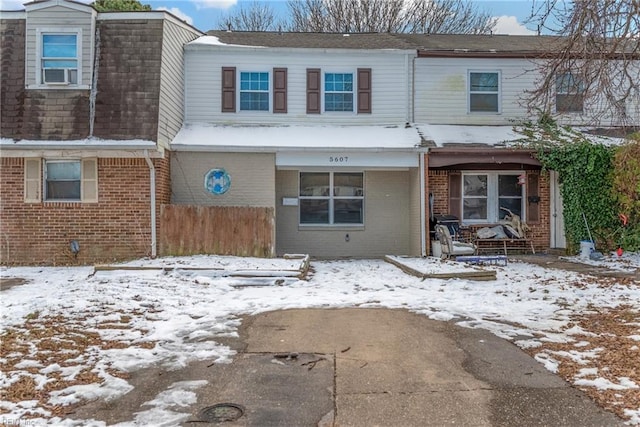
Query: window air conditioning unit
<point>58,76</point>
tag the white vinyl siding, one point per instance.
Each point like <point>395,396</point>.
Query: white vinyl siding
<point>59,19</point>
<point>442,90</point>
<point>390,87</point>
<point>171,104</point>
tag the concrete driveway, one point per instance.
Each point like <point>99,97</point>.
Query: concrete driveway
<point>366,367</point>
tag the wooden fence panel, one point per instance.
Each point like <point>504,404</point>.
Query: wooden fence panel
<point>240,231</point>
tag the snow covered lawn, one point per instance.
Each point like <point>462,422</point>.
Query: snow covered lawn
<point>68,335</point>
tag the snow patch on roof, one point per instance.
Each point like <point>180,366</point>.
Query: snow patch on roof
<point>275,138</point>
<point>442,135</point>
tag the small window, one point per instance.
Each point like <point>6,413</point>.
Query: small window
<point>484,91</point>
<point>475,197</point>
<point>254,91</point>
<point>509,196</point>
<point>338,92</point>
<point>569,94</point>
<point>59,58</point>
<point>331,198</point>
<point>62,179</point>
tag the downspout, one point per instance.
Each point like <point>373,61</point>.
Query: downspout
<point>423,217</point>
<point>152,183</point>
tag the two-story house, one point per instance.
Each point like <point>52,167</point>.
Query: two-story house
<point>89,104</point>
<point>469,93</point>
<point>315,126</point>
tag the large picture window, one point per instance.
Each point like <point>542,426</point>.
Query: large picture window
<point>338,92</point>
<point>59,58</point>
<point>569,94</point>
<point>254,91</point>
<point>484,92</point>
<point>486,196</point>
<point>331,198</point>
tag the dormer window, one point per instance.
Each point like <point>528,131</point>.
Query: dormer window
<point>59,58</point>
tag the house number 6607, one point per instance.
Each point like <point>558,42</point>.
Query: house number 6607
<point>338,159</point>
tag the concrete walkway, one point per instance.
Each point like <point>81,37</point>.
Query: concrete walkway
<point>368,367</point>
<point>556,262</point>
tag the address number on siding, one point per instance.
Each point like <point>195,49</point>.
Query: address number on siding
<point>338,159</point>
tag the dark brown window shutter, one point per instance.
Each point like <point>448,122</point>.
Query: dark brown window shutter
<point>533,197</point>
<point>228,89</point>
<point>364,90</point>
<point>313,90</point>
<point>455,194</point>
<point>279,90</point>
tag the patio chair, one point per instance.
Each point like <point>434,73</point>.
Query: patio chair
<point>452,247</point>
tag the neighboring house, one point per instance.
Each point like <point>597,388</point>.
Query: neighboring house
<point>89,104</point>
<point>469,93</point>
<point>316,127</point>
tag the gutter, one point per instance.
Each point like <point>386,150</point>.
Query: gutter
<point>152,182</point>
<point>423,216</point>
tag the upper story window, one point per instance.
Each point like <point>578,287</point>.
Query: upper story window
<point>59,58</point>
<point>569,94</point>
<point>484,92</point>
<point>331,198</point>
<point>338,92</point>
<point>486,196</point>
<point>254,91</point>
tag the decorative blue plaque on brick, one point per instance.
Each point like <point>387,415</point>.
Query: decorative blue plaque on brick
<point>217,181</point>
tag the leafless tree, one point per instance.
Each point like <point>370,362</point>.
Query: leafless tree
<point>399,16</point>
<point>258,16</point>
<point>595,60</point>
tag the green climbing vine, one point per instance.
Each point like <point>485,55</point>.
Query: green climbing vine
<point>586,179</point>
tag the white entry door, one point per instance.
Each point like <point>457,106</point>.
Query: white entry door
<point>558,239</point>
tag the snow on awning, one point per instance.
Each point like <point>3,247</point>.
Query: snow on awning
<point>296,138</point>
<point>443,135</point>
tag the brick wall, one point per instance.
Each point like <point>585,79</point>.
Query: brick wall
<point>127,101</point>
<point>438,185</point>
<point>115,228</point>
<point>35,114</point>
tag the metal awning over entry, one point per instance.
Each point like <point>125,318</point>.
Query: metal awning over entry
<point>442,157</point>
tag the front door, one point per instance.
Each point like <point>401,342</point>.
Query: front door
<point>558,239</point>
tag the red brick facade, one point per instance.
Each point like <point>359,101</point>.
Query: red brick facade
<point>116,228</point>
<point>438,185</point>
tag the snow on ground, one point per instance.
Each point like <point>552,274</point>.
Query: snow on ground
<point>170,318</point>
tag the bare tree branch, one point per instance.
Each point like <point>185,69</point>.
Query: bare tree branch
<point>398,16</point>
<point>258,16</point>
<point>599,43</point>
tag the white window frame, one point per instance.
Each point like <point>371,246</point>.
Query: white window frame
<point>268,91</point>
<point>331,198</point>
<point>40,32</point>
<point>498,93</point>
<point>493,210</point>
<point>581,93</point>
<point>88,180</point>
<point>354,90</point>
